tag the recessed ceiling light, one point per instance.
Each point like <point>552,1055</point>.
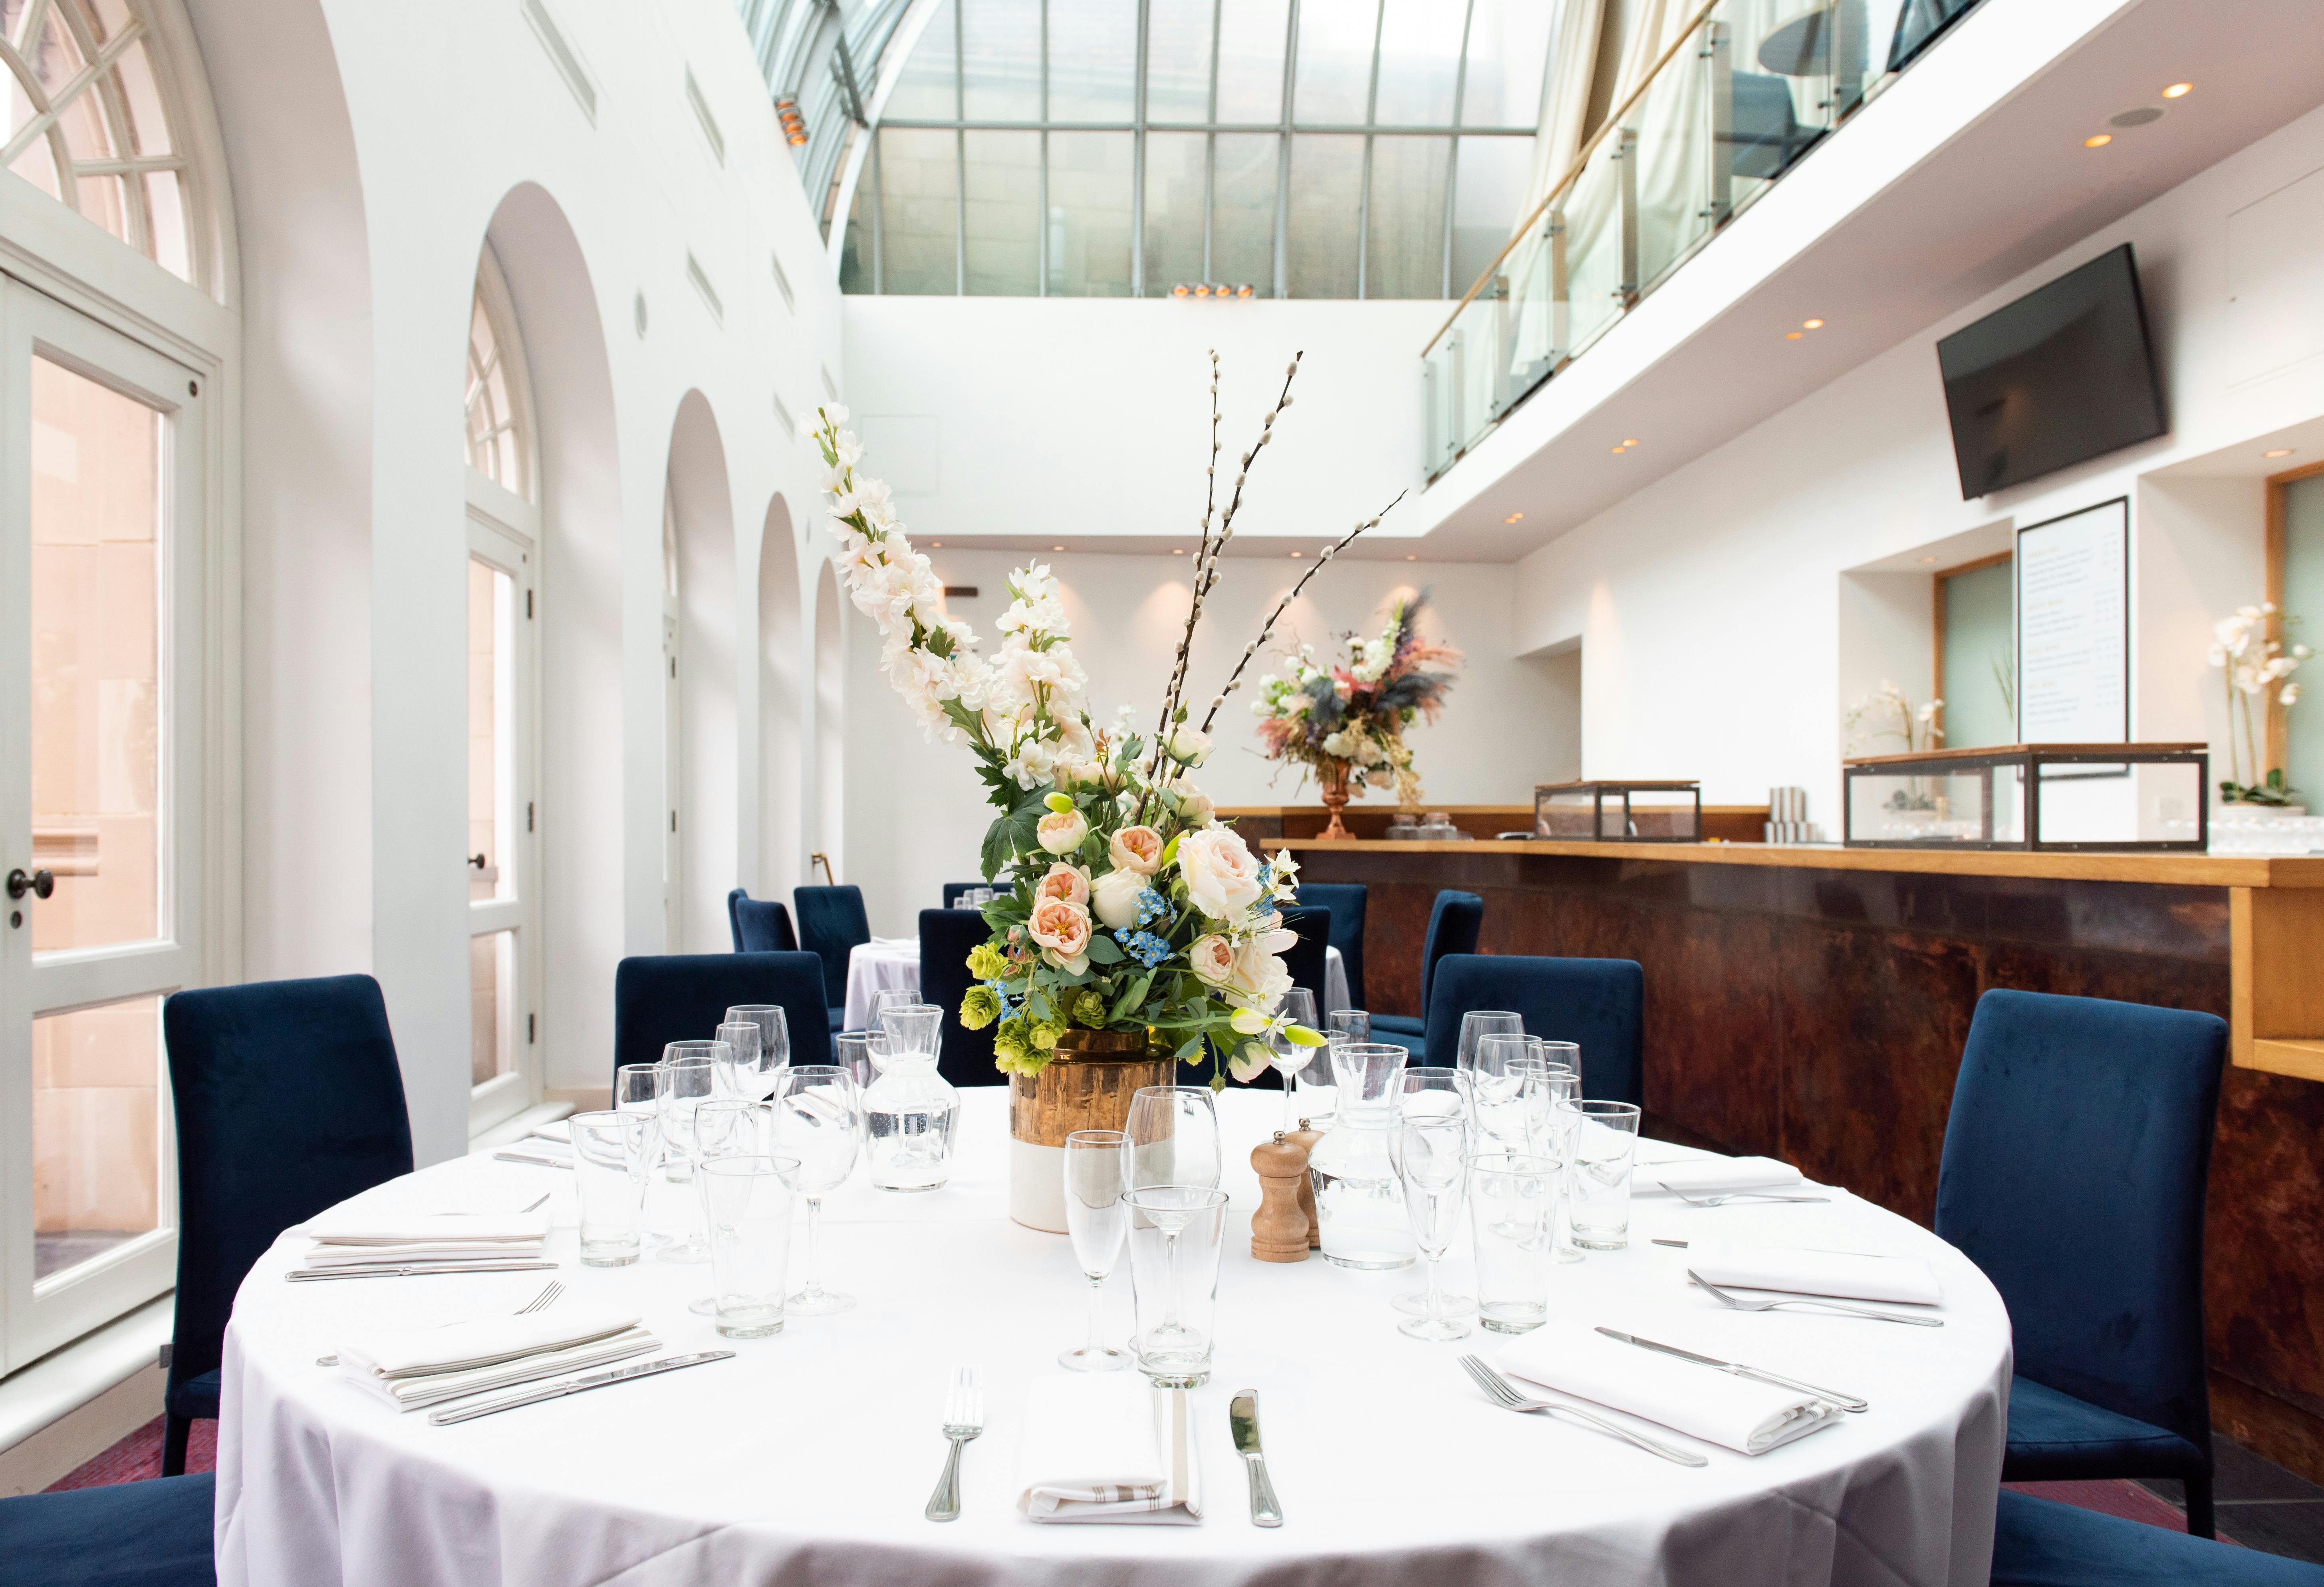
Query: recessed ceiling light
<point>1296,553</point>
<point>1056,548</point>
<point>1617,451</point>
<point>1410,558</point>
<point>1928,559</point>
<point>1793,336</point>
<point>1811,324</point>
<point>1512,517</point>
<point>937,544</point>
<point>1177,550</point>
<point>2138,116</point>
<point>2279,452</point>
<point>1631,442</point>
<point>2098,140</point>
<point>2178,90</point>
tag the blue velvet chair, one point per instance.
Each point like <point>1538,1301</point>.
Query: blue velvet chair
<point>151,1534</point>
<point>2073,1174</point>
<point>831,922</point>
<point>1346,902</point>
<point>2041,1543</point>
<point>289,1101</point>
<point>761,926</point>
<point>946,936</point>
<point>953,890</point>
<point>1453,924</point>
<point>1597,1004</point>
<point>661,998</point>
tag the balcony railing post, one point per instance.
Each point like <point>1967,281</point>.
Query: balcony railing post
<point>1718,48</point>
<point>1432,446</point>
<point>1561,292</point>
<point>1505,341</point>
<point>1456,361</point>
<point>1626,151</point>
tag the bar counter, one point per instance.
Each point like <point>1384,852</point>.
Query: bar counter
<point>1810,1001</point>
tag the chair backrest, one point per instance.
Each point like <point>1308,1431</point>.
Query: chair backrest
<point>761,926</point>
<point>953,890</point>
<point>946,936</point>
<point>831,922</point>
<point>1597,1004</point>
<point>1345,900</point>
<point>1306,958</point>
<point>289,1101</point>
<point>2073,1171</point>
<point>661,998</point>
<point>1454,921</point>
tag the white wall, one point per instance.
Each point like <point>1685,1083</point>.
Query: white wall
<point>1714,607</point>
<point>916,813</point>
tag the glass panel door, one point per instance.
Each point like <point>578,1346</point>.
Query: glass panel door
<point>100,733</point>
<point>504,910</point>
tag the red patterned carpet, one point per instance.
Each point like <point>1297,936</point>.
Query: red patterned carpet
<point>139,1456</point>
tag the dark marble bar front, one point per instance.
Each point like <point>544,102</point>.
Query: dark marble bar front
<point>1811,1004</point>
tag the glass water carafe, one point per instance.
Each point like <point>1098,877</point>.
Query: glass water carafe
<point>1358,1195</point>
<point>911,1111</point>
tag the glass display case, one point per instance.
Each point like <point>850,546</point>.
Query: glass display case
<point>1619,812</point>
<point>2138,797</point>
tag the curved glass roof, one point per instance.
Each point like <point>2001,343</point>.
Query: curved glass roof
<point>1129,148</point>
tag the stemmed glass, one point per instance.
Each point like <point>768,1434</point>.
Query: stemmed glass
<point>725,1127</point>
<point>1433,1152</point>
<point>640,1088</point>
<point>1098,1219</point>
<point>818,1124</point>
<point>1497,1091</point>
<point>692,1067</point>
<point>1171,1137</point>
<point>1347,1025</point>
<point>1289,1056</point>
<point>774,1032</point>
<point>1480,1023</point>
<point>738,1070</point>
<point>1437,1096</point>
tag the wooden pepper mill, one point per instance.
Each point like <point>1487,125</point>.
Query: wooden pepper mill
<point>1278,1230</point>
<point>1304,1138</point>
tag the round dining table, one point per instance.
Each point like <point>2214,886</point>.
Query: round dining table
<point>805,1459</point>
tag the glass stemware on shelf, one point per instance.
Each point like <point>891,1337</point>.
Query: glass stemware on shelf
<point>1097,1219</point>
<point>1289,1056</point>
<point>1432,1156</point>
<point>818,1123</point>
<point>911,1111</point>
<point>1172,1137</point>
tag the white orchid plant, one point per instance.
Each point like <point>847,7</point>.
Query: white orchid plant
<point>1131,906</point>
<point>2255,666</point>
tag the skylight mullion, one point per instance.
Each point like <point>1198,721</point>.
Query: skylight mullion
<point>1452,147</point>
<point>1283,152</point>
<point>1371,115</point>
<point>1138,162</point>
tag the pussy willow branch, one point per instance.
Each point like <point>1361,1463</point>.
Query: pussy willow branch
<point>1234,679</point>
<point>1202,553</point>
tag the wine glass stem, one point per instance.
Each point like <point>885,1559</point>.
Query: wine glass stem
<point>1097,1345</point>
<point>1290,1103</point>
<point>814,1213</point>
<point>1170,1279</point>
<point>1435,1296</point>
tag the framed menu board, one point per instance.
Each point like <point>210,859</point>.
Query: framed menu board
<point>2073,627</point>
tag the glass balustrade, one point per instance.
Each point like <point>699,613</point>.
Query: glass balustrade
<point>1740,97</point>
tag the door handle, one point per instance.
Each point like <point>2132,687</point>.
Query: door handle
<point>477,860</point>
<point>40,883</point>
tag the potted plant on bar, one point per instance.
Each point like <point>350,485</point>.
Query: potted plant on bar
<point>1346,721</point>
<point>1137,930</point>
<point>2255,665</point>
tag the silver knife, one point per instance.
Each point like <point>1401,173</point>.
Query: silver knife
<point>669,1363</point>
<point>302,1275</point>
<point>1242,1415</point>
<point>1847,1402</point>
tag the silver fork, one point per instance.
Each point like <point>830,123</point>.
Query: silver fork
<point>1721,1200</point>
<point>1504,1394</point>
<point>538,1303</point>
<point>1741,1304</point>
<point>963,1419</point>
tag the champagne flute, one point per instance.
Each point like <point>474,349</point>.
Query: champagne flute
<point>818,1124</point>
<point>1289,1056</point>
<point>1098,1220</point>
<point>1438,1096</point>
<point>1434,1151</point>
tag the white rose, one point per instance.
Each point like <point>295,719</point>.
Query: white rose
<point>1114,898</point>
<point>1136,848</point>
<point>1259,977</point>
<point>1222,875</point>
<point>1190,746</point>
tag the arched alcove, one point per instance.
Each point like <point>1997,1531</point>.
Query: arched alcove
<point>782,667</point>
<point>579,611</point>
<point>830,725</point>
<point>708,855</point>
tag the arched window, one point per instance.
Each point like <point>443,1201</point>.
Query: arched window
<point>499,410</point>
<point>94,124</point>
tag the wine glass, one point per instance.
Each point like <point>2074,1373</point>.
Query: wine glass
<point>1479,1023</point>
<point>1497,1091</point>
<point>1289,1056</point>
<point>774,1034</point>
<point>1098,1220</point>
<point>1171,1137</point>
<point>892,997</point>
<point>1437,1095</point>
<point>738,1072</point>
<point>1433,1151</point>
<point>818,1122</point>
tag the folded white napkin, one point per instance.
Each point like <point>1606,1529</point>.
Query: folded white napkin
<point>1814,1272</point>
<point>1740,1414</point>
<point>1108,1448</point>
<point>410,1368</point>
<point>539,1154</point>
<point>1716,1175</point>
<point>375,1228</point>
<point>424,1250</point>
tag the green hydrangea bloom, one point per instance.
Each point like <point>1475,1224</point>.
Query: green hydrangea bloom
<point>1045,1035</point>
<point>1010,1045</point>
<point>980,1008</point>
<point>1090,1008</point>
<point>987,963</point>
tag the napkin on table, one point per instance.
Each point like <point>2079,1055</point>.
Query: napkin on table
<point>377,1228</point>
<point>1108,1448</point>
<point>410,1367</point>
<point>424,1250</point>
<point>1740,1414</point>
<point>1716,1175</point>
<point>1907,1279</point>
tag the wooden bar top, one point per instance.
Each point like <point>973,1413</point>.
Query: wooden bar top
<point>2182,870</point>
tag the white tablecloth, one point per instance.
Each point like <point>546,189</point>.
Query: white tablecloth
<point>893,964</point>
<point>807,1460</point>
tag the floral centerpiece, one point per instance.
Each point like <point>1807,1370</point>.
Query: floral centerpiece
<point>1346,721</point>
<point>2254,666</point>
<point>1135,924</point>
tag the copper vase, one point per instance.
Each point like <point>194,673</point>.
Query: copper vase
<point>1333,777</point>
<point>1086,1085</point>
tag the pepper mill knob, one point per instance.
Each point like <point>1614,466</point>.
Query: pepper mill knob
<point>1278,1230</point>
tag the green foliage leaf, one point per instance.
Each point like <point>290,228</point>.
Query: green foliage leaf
<point>1103,950</point>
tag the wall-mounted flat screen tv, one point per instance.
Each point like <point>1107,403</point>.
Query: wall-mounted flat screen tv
<point>2063,374</point>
